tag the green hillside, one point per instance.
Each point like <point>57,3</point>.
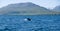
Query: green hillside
<point>25,9</point>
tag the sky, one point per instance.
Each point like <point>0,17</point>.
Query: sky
<point>50,4</point>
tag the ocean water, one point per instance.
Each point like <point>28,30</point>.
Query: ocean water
<point>37,23</point>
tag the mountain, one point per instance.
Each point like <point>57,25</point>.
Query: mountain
<point>57,8</point>
<point>27,8</point>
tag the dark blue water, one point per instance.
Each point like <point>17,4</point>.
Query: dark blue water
<point>37,23</point>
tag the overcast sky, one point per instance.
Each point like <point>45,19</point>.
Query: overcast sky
<point>45,3</point>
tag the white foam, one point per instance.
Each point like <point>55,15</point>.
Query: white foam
<point>25,19</point>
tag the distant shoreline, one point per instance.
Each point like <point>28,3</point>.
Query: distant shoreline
<point>31,15</point>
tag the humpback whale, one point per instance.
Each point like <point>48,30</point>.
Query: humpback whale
<point>27,19</point>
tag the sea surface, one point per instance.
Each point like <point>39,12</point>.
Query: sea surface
<point>37,23</point>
